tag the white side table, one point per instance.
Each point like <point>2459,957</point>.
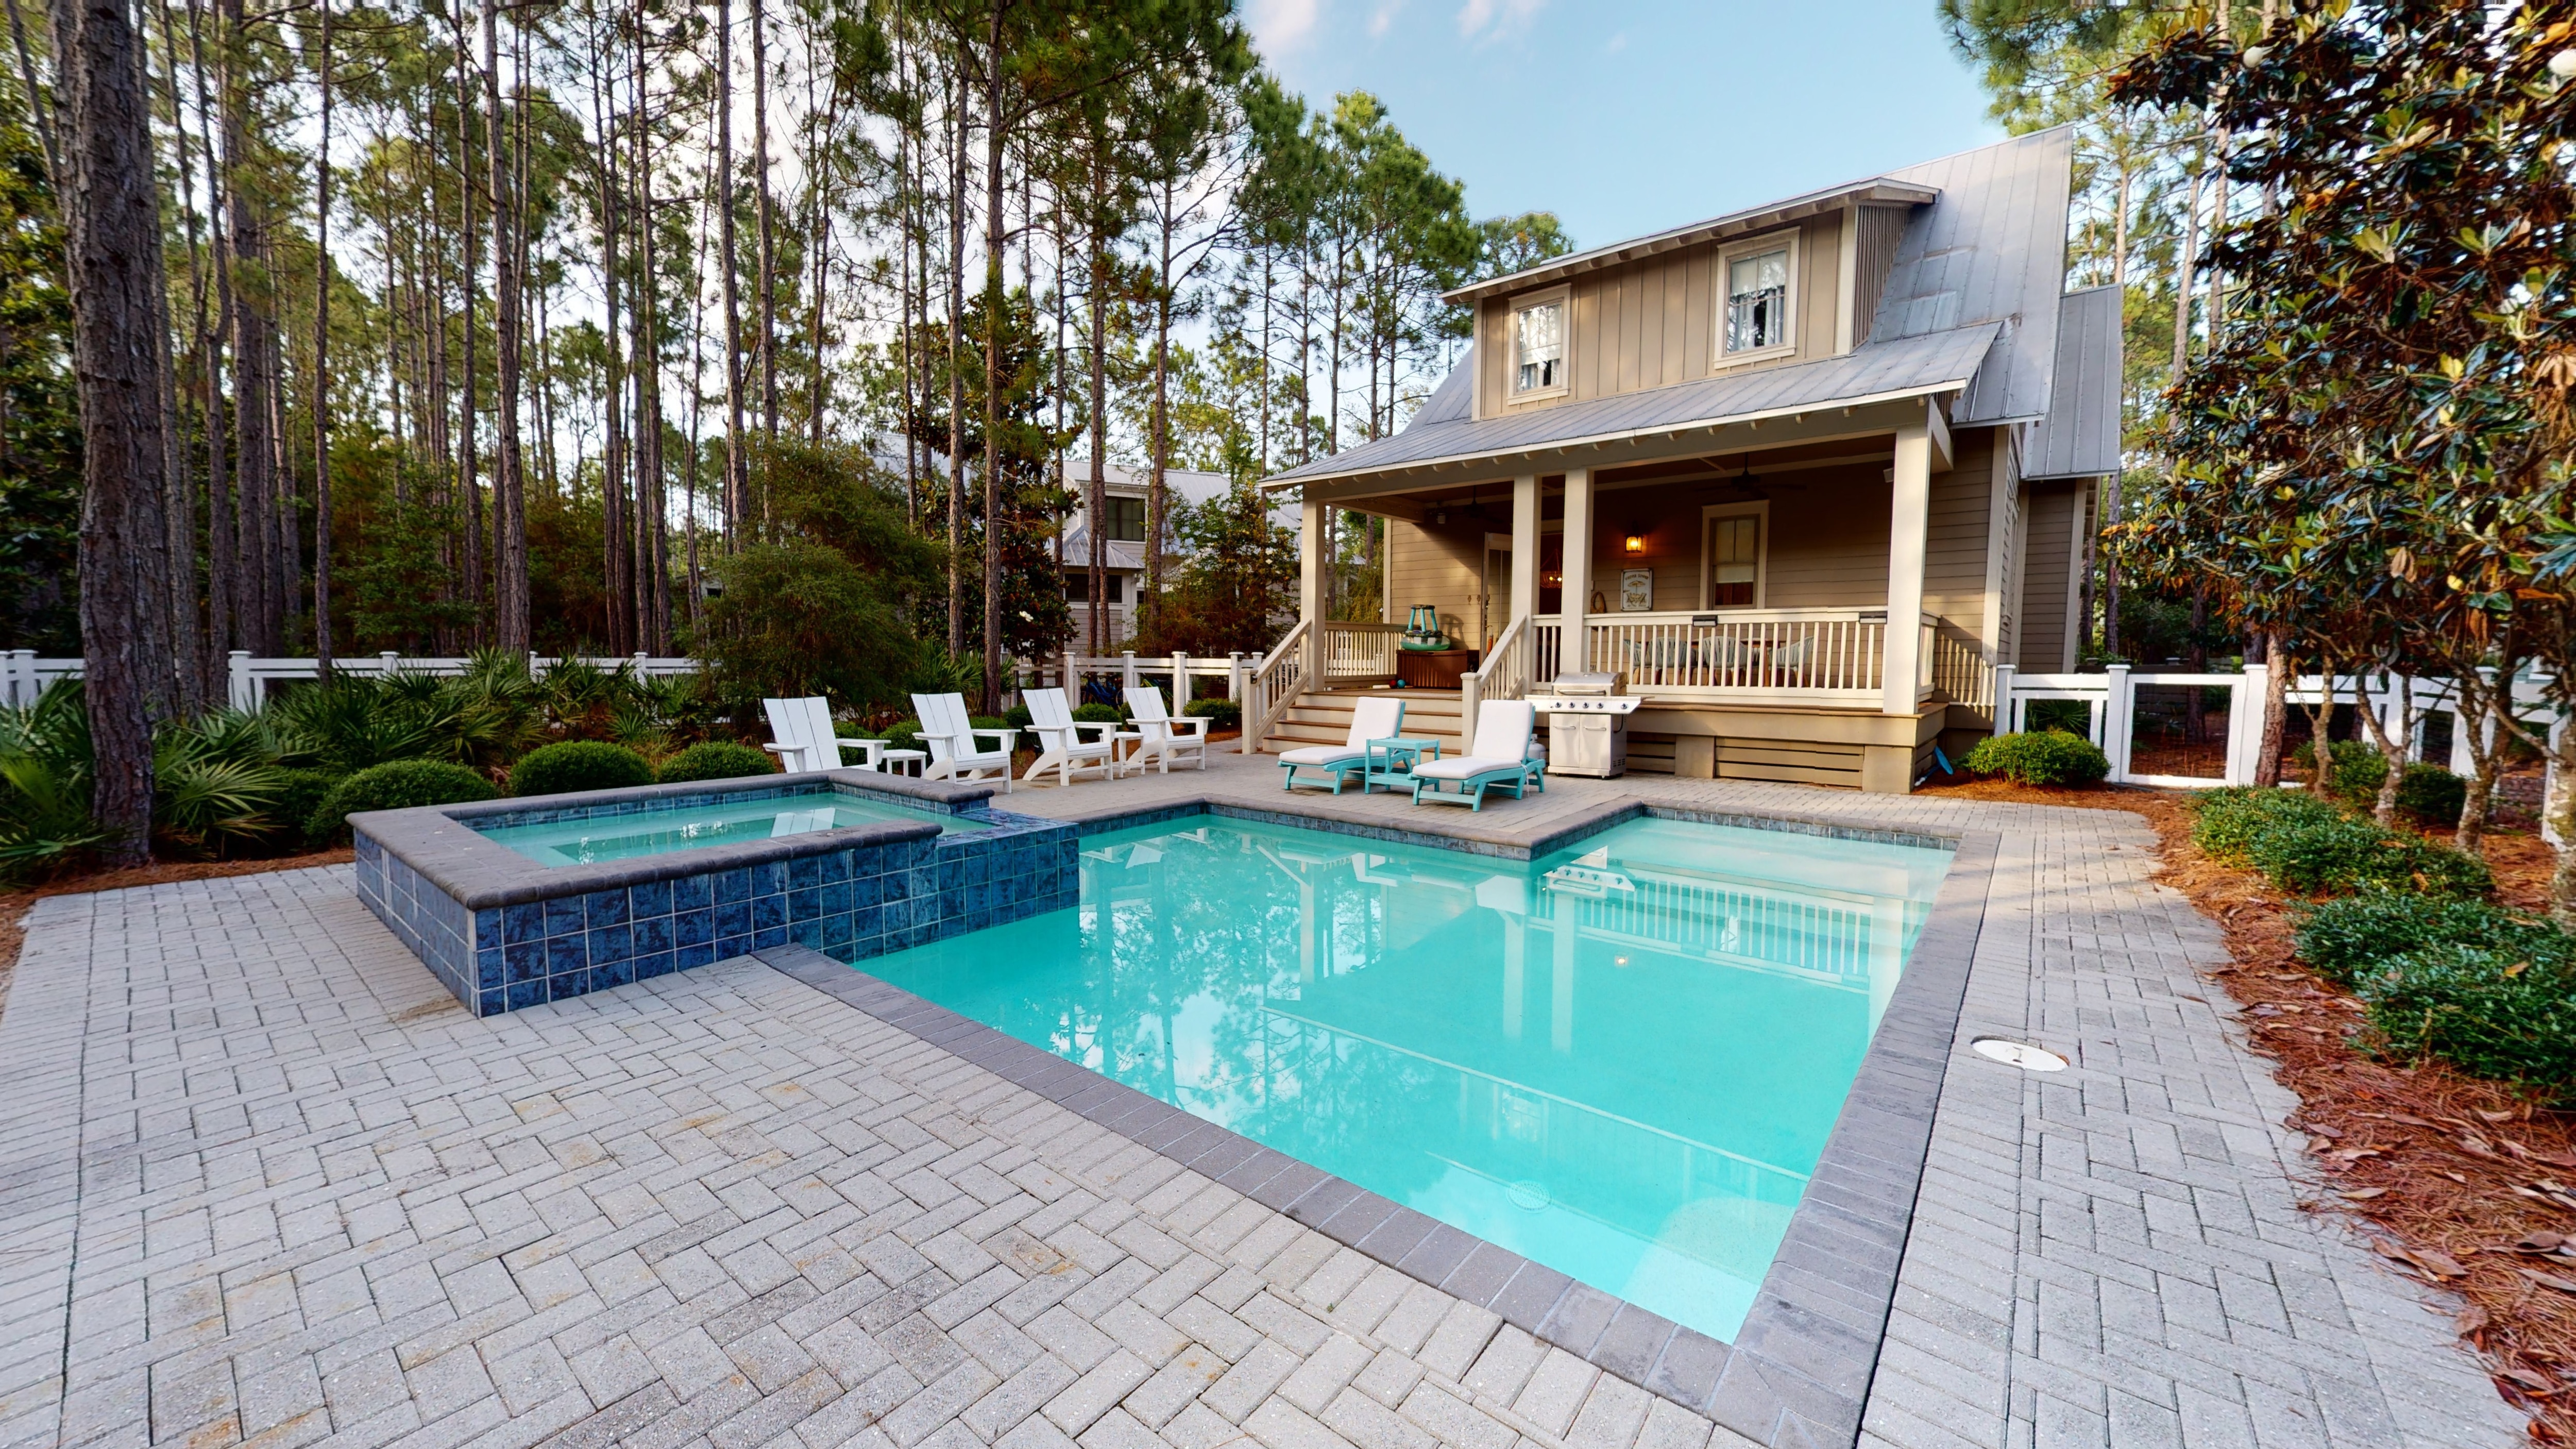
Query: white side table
<point>903,762</point>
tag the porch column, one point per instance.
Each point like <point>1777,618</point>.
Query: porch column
<point>1572,657</point>
<point>1310,589</point>
<point>1907,533</point>
<point>1525,547</point>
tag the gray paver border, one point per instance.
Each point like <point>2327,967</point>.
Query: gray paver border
<point>1800,1369</point>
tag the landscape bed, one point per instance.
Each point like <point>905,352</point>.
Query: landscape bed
<point>1657,1089</point>
<point>512,903</point>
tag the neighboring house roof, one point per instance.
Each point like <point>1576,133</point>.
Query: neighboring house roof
<point>1970,306</point>
<point>2080,437</point>
<point>1913,367</point>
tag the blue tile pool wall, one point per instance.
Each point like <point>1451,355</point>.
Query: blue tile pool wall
<point>849,904</point>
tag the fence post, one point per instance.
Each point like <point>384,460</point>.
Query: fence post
<point>1180,682</point>
<point>2549,779</point>
<point>23,687</point>
<point>2119,712</point>
<point>240,692</point>
<point>2001,710</point>
<point>2245,724</point>
<point>1234,675</point>
<point>1127,669</point>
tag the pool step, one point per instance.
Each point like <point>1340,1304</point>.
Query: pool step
<point>1323,717</point>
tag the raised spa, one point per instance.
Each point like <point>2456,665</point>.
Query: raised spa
<point>516,902</point>
<point>1620,1060</point>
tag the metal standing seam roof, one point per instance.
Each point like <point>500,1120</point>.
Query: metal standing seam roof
<point>1911,367</point>
<point>2080,437</point>
<point>1992,249</point>
<point>1970,304</point>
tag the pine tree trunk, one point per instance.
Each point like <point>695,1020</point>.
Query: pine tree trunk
<point>996,299</point>
<point>256,448</point>
<point>768,236</point>
<point>957,361</point>
<point>737,459</point>
<point>113,248</point>
<point>469,479</point>
<point>509,485</point>
<point>322,366</point>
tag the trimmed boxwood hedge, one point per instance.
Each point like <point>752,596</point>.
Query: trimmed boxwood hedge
<point>561,769</point>
<point>396,785</point>
<point>2500,1014</point>
<point>716,760</point>
<point>2049,757</point>
<point>2345,938</point>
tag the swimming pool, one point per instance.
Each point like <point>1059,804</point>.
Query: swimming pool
<point>705,821</point>
<point>1621,1060</point>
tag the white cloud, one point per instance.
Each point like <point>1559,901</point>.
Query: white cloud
<point>1382,19</point>
<point>1279,25</point>
<point>1496,19</point>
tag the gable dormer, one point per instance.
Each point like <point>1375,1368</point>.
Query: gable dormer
<point>1778,285</point>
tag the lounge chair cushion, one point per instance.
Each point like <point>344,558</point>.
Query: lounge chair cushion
<point>1319,755</point>
<point>1466,767</point>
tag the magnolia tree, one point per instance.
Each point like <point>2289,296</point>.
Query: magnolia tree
<point>2374,457</point>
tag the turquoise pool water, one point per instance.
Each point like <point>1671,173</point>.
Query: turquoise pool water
<point>658,831</point>
<point>1621,1061</point>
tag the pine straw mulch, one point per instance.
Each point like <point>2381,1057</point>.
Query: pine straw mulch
<point>2455,1181</point>
<point>15,904</point>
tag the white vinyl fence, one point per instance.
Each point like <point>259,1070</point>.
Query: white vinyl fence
<point>23,676</point>
<point>2116,702</point>
<point>1131,670</point>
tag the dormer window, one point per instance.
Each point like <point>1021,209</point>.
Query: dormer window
<point>1539,346</point>
<point>1760,280</point>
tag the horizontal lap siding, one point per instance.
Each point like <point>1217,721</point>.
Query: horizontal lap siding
<point>1828,545</point>
<point>1442,568</point>
<point>1789,762</point>
<point>1954,563</point>
<point>2045,559</point>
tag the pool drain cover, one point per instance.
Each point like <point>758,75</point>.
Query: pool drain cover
<point>1530,1195</point>
<point>2018,1054</point>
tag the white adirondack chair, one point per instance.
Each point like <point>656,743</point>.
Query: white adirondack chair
<point>1061,744</point>
<point>802,729</point>
<point>1161,738</point>
<point>951,737</point>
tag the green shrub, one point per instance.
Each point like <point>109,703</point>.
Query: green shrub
<point>716,760</point>
<point>2346,853</point>
<point>395,785</point>
<point>1221,714</point>
<point>904,736</point>
<point>1099,714</point>
<point>560,769</point>
<point>2492,1013</point>
<point>2052,757</point>
<point>2343,939</point>
<point>300,793</point>
<point>2229,820</point>
<point>988,722</point>
<point>2425,793</point>
<point>1018,717</point>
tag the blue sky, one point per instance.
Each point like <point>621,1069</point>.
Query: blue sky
<point>1625,118</point>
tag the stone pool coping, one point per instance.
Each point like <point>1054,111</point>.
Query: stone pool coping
<point>442,845</point>
<point>1799,1370</point>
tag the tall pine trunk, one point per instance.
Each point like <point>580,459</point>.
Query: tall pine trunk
<point>957,360</point>
<point>112,227</point>
<point>509,484</point>
<point>764,220</point>
<point>322,365</point>
<point>996,239</point>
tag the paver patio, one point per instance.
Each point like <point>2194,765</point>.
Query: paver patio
<point>262,1179</point>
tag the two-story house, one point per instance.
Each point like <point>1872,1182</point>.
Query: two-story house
<point>1804,473</point>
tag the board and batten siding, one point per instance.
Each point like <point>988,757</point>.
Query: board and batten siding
<point>1879,230</point>
<point>1653,323</point>
<point>2045,645</point>
<point>1440,567</point>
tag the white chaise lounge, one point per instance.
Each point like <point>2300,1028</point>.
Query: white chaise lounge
<point>1377,717</point>
<point>1499,761</point>
<point>950,735</point>
<point>1062,746</point>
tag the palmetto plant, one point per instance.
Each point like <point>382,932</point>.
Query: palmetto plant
<point>44,782</point>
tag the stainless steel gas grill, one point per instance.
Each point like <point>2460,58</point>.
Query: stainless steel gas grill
<point>1587,724</point>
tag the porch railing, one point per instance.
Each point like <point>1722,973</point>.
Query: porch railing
<point>1505,674</point>
<point>1274,685</point>
<point>1801,656</point>
<point>1961,672</point>
<point>1360,651</point>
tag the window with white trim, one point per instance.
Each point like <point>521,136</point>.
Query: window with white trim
<point>1539,347</point>
<point>1760,281</point>
<point>1733,548</point>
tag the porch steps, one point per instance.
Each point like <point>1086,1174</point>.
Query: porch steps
<point>1323,717</point>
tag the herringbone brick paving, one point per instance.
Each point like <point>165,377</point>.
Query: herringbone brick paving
<point>262,1180</point>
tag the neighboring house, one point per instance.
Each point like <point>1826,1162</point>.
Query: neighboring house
<point>1804,473</point>
<point>1125,535</point>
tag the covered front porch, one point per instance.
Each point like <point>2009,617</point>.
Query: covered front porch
<point>1820,609</point>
